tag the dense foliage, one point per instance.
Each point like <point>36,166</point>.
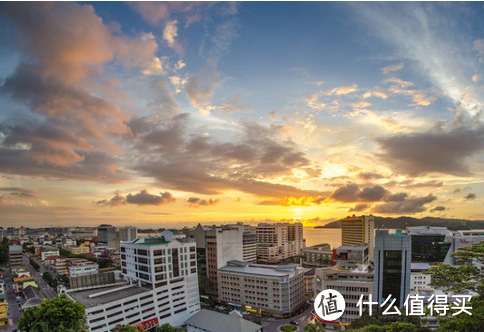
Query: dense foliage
<point>58,314</point>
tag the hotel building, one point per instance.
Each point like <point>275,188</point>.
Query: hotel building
<point>357,230</point>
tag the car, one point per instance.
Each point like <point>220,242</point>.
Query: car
<point>294,322</point>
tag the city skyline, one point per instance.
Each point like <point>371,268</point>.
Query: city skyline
<point>182,112</point>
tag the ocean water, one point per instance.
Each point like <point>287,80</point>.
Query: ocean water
<point>315,236</point>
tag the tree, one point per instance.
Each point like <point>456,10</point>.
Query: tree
<point>105,262</point>
<point>393,327</point>
<point>464,322</point>
<point>315,327</point>
<point>58,314</point>
<point>49,279</point>
<point>167,328</point>
<point>462,278</point>
<point>4,251</point>
<point>126,328</point>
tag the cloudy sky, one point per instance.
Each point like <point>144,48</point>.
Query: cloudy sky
<point>175,113</point>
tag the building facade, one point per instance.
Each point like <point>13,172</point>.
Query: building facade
<point>318,255</point>
<point>215,247</point>
<point>278,241</point>
<point>108,235</point>
<point>357,230</point>
<point>15,256</point>
<point>350,283</point>
<point>431,244</point>
<point>127,233</point>
<point>392,266</point>
<point>274,289</point>
<point>349,257</point>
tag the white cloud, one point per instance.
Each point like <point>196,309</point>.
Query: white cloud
<point>388,69</point>
<point>155,68</point>
<point>170,32</point>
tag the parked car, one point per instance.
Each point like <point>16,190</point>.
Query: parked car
<point>294,322</point>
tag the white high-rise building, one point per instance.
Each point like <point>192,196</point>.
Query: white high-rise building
<point>161,287</point>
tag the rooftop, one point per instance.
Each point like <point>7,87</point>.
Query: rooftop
<point>260,269</point>
<point>97,296</point>
<point>217,322</point>
<point>420,266</point>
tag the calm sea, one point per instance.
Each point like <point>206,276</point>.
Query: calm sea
<point>315,236</point>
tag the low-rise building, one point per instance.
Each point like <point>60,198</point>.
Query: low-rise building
<point>349,257</point>
<point>79,267</point>
<point>23,282</point>
<point>212,321</point>
<point>3,313</point>
<point>48,251</point>
<point>58,263</point>
<point>275,289</point>
<point>79,250</point>
<point>350,283</point>
<point>318,255</point>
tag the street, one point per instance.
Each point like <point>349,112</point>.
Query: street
<point>47,290</point>
<point>272,324</point>
<point>13,307</point>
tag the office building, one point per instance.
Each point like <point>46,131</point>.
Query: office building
<point>212,321</point>
<point>274,289</point>
<point>351,283</point>
<point>318,255</point>
<point>108,236</point>
<point>279,241</point>
<point>15,256</point>
<point>162,287</point>
<point>127,233</point>
<point>431,244</point>
<point>357,230</point>
<point>309,283</point>
<point>215,247</point>
<point>392,266</point>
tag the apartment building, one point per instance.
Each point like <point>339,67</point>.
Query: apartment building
<point>279,241</point>
<point>350,283</point>
<point>79,250</point>
<point>357,230</point>
<point>162,287</point>
<point>274,289</point>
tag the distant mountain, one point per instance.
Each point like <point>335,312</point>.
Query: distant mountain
<point>403,222</point>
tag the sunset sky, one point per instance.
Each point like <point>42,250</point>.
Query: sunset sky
<point>172,113</point>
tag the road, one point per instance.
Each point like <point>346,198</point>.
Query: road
<point>272,324</point>
<point>47,290</point>
<point>13,307</point>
